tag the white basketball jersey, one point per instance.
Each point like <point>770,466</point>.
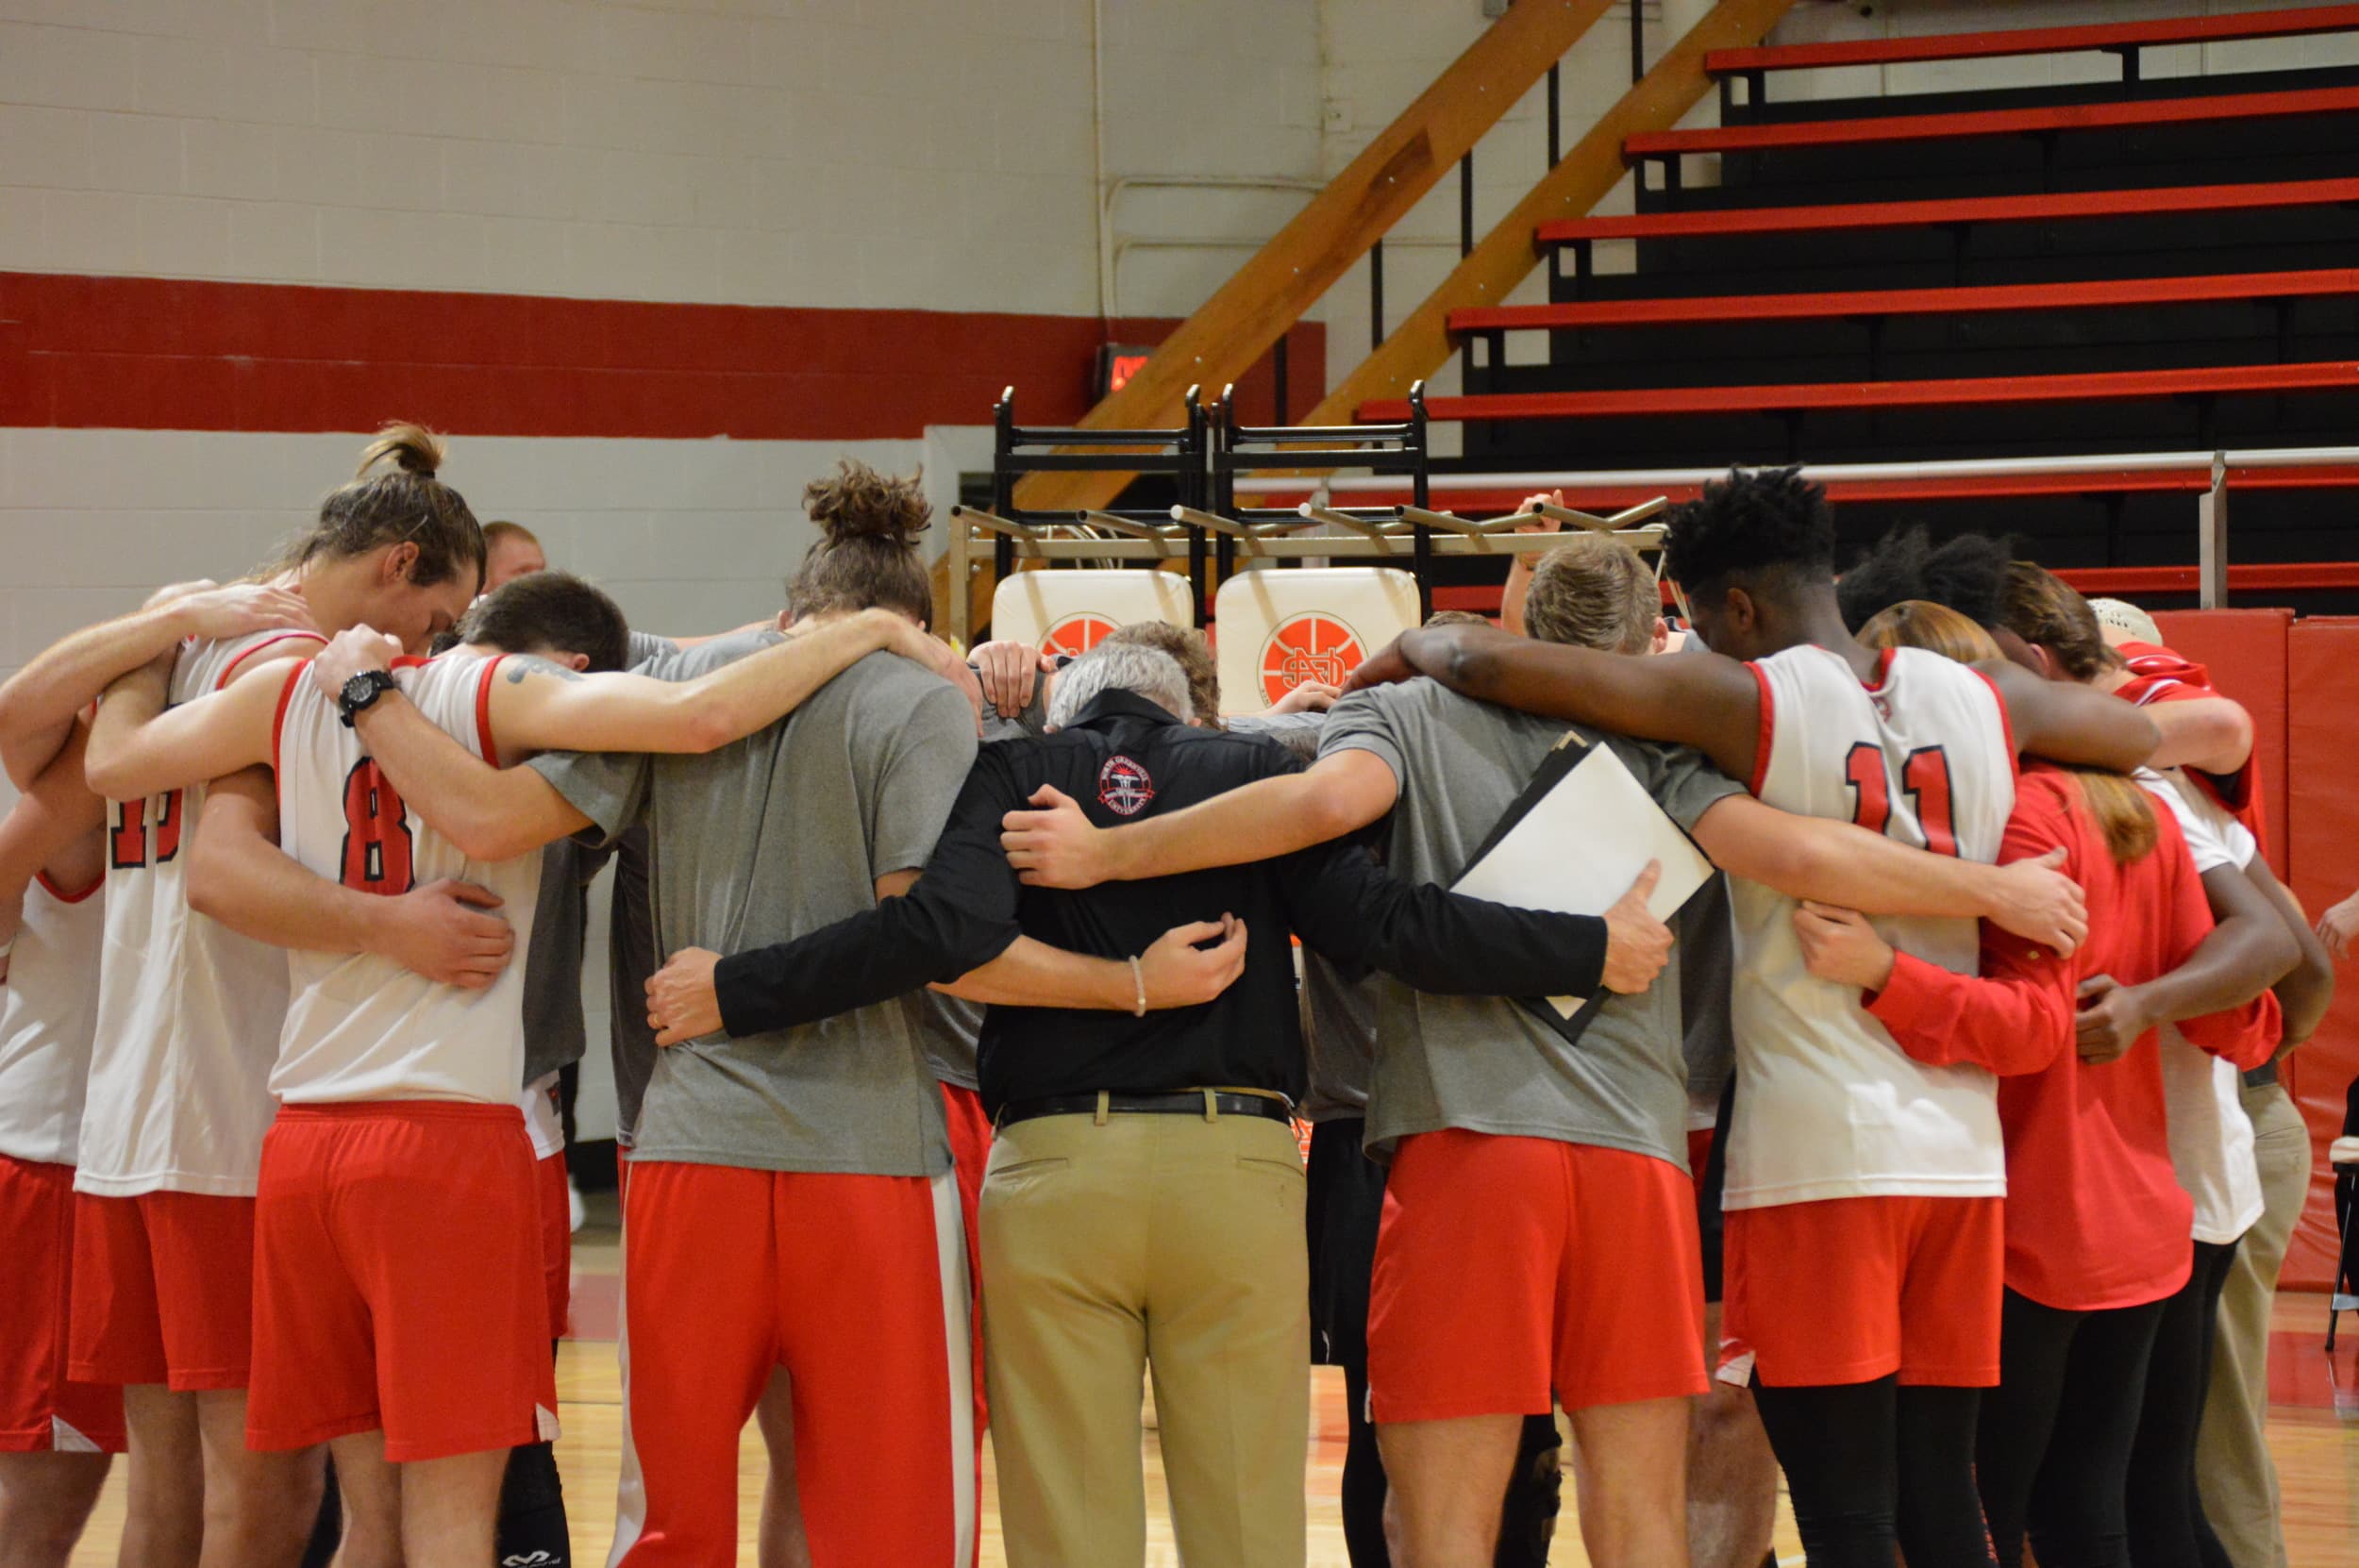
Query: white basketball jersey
<point>1826,1105</point>
<point>48,1011</point>
<point>2211,1136</point>
<point>360,1027</point>
<point>189,1011</point>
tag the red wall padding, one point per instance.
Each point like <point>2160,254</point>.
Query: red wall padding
<point>2322,757</point>
<point>2244,650</point>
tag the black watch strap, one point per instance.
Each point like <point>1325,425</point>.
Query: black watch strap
<point>361,693</point>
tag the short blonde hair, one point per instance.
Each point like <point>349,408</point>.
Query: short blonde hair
<point>1592,592</point>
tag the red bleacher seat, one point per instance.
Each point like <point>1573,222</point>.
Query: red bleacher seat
<point>1879,394</point>
<point>2035,41</point>
<point>1908,302</point>
<point>2256,577</point>
<point>1993,122</point>
<point>1612,498</point>
<point>2045,208</point>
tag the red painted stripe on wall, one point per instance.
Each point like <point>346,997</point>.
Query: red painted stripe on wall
<point>174,353</point>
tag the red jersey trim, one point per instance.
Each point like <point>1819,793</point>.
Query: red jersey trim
<point>1769,729</point>
<point>1883,670</point>
<point>279,719</point>
<point>222,684</point>
<point>64,897</point>
<point>2006,722</point>
<point>483,712</point>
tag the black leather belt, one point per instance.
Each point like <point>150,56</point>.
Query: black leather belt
<point>1183,1103</point>
<point>2261,1076</point>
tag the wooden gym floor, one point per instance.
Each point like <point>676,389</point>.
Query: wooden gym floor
<point>2314,1431</point>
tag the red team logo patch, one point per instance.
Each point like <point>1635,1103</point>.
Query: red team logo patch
<point>1311,646</point>
<point>1123,787</point>
<point>1076,634</point>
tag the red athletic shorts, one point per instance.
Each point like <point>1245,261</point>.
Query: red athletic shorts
<point>970,1152</point>
<point>1849,1289</point>
<point>163,1290</point>
<point>1513,1270</point>
<point>557,1241</point>
<point>42,1408</point>
<point>397,1280</point>
<point>850,1282</point>
<point>1699,1154</point>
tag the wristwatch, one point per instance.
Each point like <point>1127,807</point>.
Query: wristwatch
<point>361,693</point>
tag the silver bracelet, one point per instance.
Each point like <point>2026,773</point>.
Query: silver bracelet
<point>1138,978</point>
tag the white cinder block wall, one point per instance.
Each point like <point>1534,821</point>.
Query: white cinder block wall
<point>940,156</point>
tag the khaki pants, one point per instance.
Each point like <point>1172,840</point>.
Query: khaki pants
<point>2237,1480</point>
<point>1168,1241</point>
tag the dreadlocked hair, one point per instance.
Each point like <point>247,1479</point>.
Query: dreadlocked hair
<point>1755,520</point>
<point>1966,573</point>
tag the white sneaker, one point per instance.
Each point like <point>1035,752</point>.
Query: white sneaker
<point>575,1210</point>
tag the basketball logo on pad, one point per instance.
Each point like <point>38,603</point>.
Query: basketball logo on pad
<point>1123,787</point>
<point>1076,634</point>
<point>1311,646</point>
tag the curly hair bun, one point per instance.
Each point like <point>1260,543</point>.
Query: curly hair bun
<point>414,448</point>
<point>857,502</point>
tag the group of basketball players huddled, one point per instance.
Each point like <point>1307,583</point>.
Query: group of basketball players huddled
<point>963,1049</point>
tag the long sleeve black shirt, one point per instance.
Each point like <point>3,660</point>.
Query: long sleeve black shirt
<point>1122,759</point>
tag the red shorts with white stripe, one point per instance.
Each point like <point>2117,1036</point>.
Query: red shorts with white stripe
<point>1849,1289</point>
<point>557,1241</point>
<point>163,1290</point>
<point>1511,1271</point>
<point>856,1285</point>
<point>398,1281</point>
<point>41,1409</point>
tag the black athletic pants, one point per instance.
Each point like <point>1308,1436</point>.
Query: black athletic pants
<point>2051,1449</point>
<point>1346,1204</point>
<point>1872,1465</point>
<point>2167,1524</point>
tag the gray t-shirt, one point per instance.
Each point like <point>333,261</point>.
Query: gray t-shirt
<point>1339,1040</point>
<point>631,939</point>
<point>631,959</point>
<point>1484,1063</point>
<point>769,839</point>
<point>1707,949</point>
<point>555,1035</point>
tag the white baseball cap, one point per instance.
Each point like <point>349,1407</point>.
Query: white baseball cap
<point>2124,617</point>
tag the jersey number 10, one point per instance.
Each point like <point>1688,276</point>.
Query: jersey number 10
<point>1925,776</point>
<point>377,855</point>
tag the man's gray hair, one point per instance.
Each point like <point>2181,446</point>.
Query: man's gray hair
<point>1148,673</point>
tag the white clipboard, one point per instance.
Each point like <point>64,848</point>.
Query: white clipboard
<point>1573,842</point>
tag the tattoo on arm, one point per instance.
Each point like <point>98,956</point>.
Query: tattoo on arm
<point>521,665</point>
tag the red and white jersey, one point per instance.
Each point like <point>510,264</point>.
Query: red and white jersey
<point>189,1011</point>
<point>2211,1136</point>
<point>360,1027</point>
<point>2160,675</point>
<point>48,1013</point>
<point>1826,1105</point>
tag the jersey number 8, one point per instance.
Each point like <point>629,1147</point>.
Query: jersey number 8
<point>377,855</point>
